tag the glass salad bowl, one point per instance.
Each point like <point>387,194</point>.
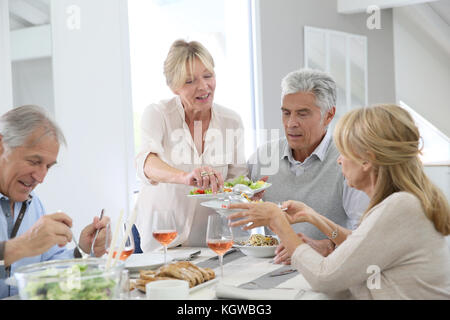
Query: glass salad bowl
<point>74,279</point>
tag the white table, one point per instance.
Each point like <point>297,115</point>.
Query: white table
<point>239,271</point>
<point>236,272</point>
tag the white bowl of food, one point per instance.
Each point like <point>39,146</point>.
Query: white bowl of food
<point>258,245</point>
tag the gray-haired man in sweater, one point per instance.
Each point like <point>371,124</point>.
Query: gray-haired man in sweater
<point>303,165</point>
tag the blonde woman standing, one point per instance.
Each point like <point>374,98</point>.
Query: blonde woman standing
<point>398,250</point>
<point>184,146</point>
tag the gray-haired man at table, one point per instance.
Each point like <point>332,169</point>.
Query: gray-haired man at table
<point>303,165</point>
<point>29,145</point>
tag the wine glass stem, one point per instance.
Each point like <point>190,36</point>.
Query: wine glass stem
<point>165,255</point>
<point>221,265</point>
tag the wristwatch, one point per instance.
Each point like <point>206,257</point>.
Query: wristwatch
<point>2,253</point>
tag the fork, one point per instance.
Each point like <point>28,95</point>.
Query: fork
<point>191,256</point>
<point>95,237</point>
<point>83,254</point>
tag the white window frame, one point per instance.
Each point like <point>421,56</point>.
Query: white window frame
<point>348,36</point>
<point>426,129</point>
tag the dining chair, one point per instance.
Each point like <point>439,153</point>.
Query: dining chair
<point>137,239</point>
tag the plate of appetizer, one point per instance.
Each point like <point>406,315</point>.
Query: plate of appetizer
<point>258,245</point>
<point>197,277</point>
<point>238,186</point>
<point>208,194</point>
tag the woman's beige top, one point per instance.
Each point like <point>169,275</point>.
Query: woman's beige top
<point>396,239</point>
<point>166,133</point>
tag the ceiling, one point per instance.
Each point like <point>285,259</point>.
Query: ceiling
<point>28,13</point>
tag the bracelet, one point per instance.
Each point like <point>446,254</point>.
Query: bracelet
<point>334,234</point>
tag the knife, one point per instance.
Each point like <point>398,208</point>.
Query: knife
<point>282,273</point>
<point>190,257</point>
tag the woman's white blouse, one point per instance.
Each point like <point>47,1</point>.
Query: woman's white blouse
<point>165,132</point>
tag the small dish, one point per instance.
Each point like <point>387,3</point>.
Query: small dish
<point>220,207</point>
<point>196,288</point>
<point>257,251</point>
<point>167,290</point>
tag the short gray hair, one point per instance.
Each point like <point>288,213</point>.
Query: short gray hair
<point>19,123</point>
<point>307,80</point>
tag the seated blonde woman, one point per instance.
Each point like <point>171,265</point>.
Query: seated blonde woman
<point>401,234</point>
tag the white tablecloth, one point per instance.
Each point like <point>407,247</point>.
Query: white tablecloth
<point>242,270</point>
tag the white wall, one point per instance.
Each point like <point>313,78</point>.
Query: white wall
<point>422,70</point>
<point>6,98</point>
<point>281,24</point>
<point>93,107</point>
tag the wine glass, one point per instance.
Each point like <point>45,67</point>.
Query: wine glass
<point>219,236</point>
<point>164,228</point>
<point>128,248</point>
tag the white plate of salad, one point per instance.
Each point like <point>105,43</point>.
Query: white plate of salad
<point>254,187</point>
<point>208,194</point>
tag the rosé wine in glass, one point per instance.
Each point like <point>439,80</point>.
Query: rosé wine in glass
<point>129,247</point>
<point>219,236</point>
<point>164,228</point>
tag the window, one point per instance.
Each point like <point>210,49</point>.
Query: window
<point>222,26</point>
<point>344,56</point>
<point>436,145</point>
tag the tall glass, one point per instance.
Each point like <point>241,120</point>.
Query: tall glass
<point>164,228</point>
<point>219,236</point>
<point>128,248</point>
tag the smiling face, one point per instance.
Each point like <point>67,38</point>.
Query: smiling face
<point>303,124</point>
<point>23,168</point>
<point>197,93</point>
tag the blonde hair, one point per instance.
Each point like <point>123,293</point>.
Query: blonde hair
<point>181,54</point>
<point>387,136</point>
